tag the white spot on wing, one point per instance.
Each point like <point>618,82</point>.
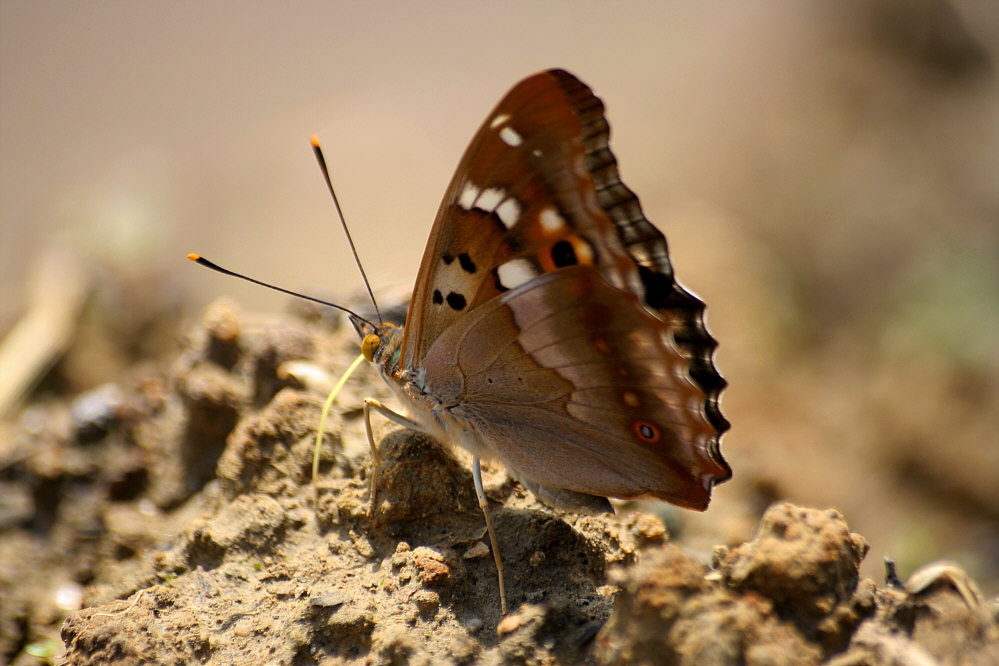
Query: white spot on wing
<point>509,212</point>
<point>468,195</point>
<point>499,120</point>
<point>510,137</point>
<point>516,272</point>
<point>550,220</point>
<point>490,198</point>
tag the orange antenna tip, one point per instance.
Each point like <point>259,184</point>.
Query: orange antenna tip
<point>193,257</point>
<point>315,141</point>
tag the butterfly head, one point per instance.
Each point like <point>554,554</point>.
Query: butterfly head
<point>381,343</point>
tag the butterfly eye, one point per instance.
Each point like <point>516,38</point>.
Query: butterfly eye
<point>369,345</point>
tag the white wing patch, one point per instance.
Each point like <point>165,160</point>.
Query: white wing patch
<point>509,213</point>
<point>516,272</point>
<point>510,137</point>
<point>491,200</point>
<point>550,220</point>
<point>468,196</point>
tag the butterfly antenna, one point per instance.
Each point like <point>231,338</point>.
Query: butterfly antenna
<point>336,202</point>
<point>198,259</point>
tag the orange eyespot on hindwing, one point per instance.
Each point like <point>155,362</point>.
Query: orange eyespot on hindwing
<point>570,250</point>
<point>647,431</point>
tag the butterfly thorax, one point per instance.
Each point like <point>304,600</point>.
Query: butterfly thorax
<point>382,346</point>
<point>432,412</point>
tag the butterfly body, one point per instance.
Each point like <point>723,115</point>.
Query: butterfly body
<point>546,330</point>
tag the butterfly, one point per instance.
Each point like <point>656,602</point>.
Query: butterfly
<point>546,330</point>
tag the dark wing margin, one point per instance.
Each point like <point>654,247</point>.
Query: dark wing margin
<point>647,245</point>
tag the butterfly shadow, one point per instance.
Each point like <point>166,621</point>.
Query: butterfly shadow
<point>427,501</point>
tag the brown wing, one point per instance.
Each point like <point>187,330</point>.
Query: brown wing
<point>609,409</point>
<point>522,202</point>
<point>538,191</point>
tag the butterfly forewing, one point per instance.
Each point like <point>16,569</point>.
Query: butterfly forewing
<point>545,321</point>
<point>522,202</point>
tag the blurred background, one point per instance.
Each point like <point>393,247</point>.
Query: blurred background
<point>826,175</point>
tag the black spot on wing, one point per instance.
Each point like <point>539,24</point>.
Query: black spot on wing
<point>437,297</point>
<point>563,254</point>
<point>466,263</point>
<point>456,301</point>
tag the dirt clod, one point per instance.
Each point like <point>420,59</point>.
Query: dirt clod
<point>190,523</point>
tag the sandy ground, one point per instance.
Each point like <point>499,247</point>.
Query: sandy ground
<point>175,509</point>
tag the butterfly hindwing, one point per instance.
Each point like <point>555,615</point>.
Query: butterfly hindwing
<point>609,410</point>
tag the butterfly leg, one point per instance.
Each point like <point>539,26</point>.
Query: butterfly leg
<point>480,493</point>
<point>395,417</point>
<point>493,541</point>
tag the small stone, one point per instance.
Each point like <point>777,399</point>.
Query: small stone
<point>607,590</point>
<point>250,520</point>
<point>331,600</point>
<point>478,550</point>
<point>69,596</point>
<point>306,375</point>
<point>401,555</point>
<point>352,621</point>
<point>362,544</point>
<point>281,589</point>
<point>427,601</point>
<point>649,528</point>
<point>95,412</point>
<point>221,321</point>
<point>434,568</point>
<point>508,624</point>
